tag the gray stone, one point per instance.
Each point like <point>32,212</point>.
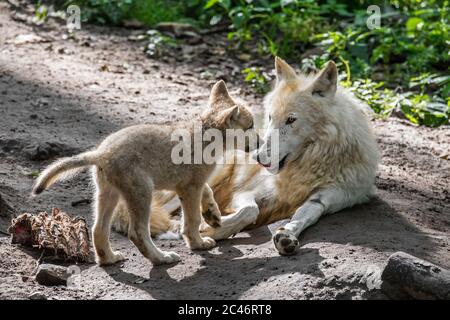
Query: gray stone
<point>43,150</point>
<point>37,296</point>
<point>408,277</point>
<point>52,275</point>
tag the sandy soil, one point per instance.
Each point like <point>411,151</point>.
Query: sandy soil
<point>61,96</point>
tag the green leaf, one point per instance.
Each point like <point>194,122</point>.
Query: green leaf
<point>210,4</point>
<point>414,24</point>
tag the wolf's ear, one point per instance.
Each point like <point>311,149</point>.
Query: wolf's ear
<point>284,71</point>
<point>219,94</point>
<point>227,116</point>
<point>325,82</point>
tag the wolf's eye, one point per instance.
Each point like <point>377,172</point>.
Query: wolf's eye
<point>290,120</point>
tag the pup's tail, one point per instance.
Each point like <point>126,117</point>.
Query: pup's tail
<point>63,169</point>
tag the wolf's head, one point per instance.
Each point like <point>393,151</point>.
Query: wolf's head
<point>234,120</point>
<point>297,113</point>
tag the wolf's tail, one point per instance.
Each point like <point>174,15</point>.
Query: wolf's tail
<point>63,169</point>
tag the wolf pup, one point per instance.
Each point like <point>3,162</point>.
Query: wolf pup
<point>133,162</point>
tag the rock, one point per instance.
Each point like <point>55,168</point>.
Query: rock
<point>52,275</point>
<point>37,296</point>
<point>408,277</point>
<point>44,150</point>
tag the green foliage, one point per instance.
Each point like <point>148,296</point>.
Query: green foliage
<point>402,65</point>
<point>41,11</point>
<point>418,108</point>
<point>409,52</point>
<point>149,12</point>
<point>257,79</point>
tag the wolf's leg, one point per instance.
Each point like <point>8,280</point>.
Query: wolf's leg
<point>105,201</point>
<point>247,212</point>
<point>190,197</point>
<point>137,193</point>
<point>323,202</point>
<point>210,212</point>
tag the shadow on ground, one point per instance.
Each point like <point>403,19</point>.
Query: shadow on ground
<point>233,272</point>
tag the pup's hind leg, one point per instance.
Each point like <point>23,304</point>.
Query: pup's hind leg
<point>137,193</point>
<point>190,197</point>
<point>105,201</point>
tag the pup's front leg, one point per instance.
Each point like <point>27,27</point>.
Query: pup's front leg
<point>246,214</point>
<point>211,212</point>
<point>190,201</point>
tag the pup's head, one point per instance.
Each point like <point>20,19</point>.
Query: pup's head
<point>296,113</point>
<point>231,118</point>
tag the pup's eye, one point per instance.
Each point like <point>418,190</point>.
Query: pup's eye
<point>290,120</point>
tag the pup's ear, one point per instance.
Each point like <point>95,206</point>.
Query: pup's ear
<point>325,82</point>
<point>284,71</point>
<point>227,116</point>
<point>219,94</point>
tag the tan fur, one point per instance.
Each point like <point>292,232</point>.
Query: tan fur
<point>133,162</point>
<point>160,223</point>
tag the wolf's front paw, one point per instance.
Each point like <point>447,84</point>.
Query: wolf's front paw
<point>109,259</point>
<point>285,242</point>
<point>167,257</point>
<point>205,243</point>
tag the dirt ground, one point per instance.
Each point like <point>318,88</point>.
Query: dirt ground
<point>60,95</point>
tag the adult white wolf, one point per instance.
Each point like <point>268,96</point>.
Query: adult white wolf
<point>327,154</point>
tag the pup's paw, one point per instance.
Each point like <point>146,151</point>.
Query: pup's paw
<point>212,216</point>
<point>109,259</point>
<point>285,242</point>
<point>167,257</point>
<point>207,231</point>
<point>205,243</point>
